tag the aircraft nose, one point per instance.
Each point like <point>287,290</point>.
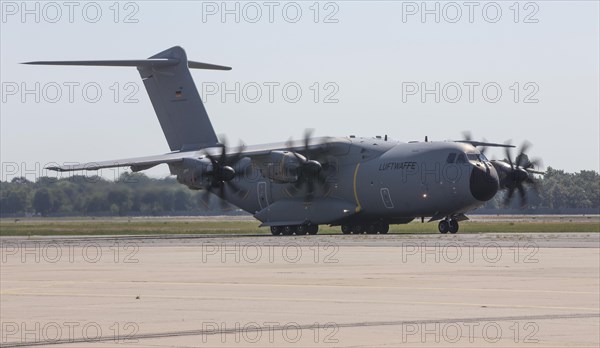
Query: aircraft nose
<point>484,183</point>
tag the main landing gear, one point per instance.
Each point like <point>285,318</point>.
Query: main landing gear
<point>448,225</point>
<point>373,228</point>
<point>289,230</point>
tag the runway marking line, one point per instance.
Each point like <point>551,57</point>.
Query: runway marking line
<point>225,331</point>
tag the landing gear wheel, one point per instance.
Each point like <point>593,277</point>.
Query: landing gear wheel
<point>276,230</point>
<point>371,229</point>
<point>301,230</point>
<point>453,226</point>
<point>443,226</point>
<point>346,229</point>
<point>313,229</point>
<point>383,228</point>
<point>358,229</point>
<point>288,230</point>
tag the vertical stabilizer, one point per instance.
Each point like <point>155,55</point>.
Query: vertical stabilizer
<point>177,102</point>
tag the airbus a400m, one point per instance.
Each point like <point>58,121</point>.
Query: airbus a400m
<point>360,184</point>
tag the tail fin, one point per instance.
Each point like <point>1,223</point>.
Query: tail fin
<point>177,103</point>
<point>173,93</point>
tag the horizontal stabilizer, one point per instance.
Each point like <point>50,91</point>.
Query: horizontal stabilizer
<point>173,93</point>
<point>206,66</point>
<point>138,62</point>
<point>154,62</point>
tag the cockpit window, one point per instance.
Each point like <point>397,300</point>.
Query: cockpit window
<point>473,157</point>
<point>451,158</point>
<point>461,158</point>
<point>483,158</point>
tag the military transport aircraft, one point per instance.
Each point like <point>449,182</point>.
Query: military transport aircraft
<point>360,184</point>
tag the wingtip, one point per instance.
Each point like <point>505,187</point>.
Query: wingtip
<point>539,172</point>
<point>37,62</point>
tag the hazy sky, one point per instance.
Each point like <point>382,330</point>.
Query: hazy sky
<point>502,70</point>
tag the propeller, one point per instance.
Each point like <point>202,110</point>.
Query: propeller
<point>223,173</point>
<point>310,171</point>
<point>519,174</point>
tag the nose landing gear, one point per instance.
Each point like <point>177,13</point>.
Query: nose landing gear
<point>448,225</point>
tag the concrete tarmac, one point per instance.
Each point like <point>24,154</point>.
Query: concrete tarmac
<point>470,290</point>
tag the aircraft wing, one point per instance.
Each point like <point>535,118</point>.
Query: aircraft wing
<point>255,153</point>
<point>136,163</point>
<point>483,143</point>
<point>142,163</point>
<point>324,145</point>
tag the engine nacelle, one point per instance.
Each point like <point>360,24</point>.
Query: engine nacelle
<point>508,176</point>
<point>282,166</point>
<point>193,173</point>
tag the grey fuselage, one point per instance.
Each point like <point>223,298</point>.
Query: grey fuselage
<point>371,179</point>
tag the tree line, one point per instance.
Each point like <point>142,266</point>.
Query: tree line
<point>556,191</point>
<point>131,194</point>
<point>137,194</point>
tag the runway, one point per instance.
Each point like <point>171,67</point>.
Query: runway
<point>496,289</point>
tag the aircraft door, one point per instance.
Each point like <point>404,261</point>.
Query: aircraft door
<point>263,194</point>
<point>386,198</point>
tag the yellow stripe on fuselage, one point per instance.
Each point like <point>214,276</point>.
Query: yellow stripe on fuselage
<point>358,208</point>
